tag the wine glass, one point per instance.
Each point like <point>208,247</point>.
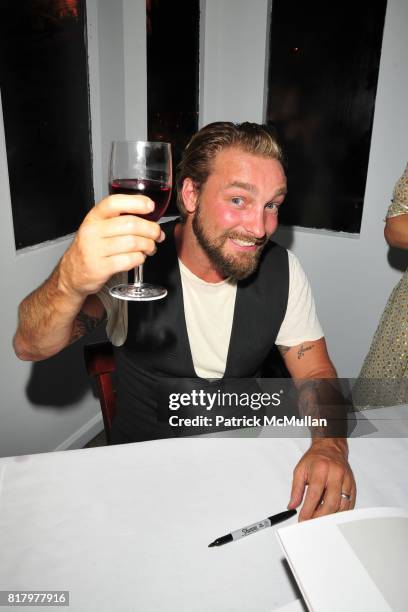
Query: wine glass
<point>141,168</point>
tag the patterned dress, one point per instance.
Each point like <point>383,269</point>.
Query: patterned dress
<point>383,380</point>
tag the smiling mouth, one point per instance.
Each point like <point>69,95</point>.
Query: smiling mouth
<point>245,243</point>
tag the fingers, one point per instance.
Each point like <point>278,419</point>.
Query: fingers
<point>325,472</point>
<point>128,244</point>
<point>125,234</point>
<point>120,204</point>
<point>345,504</point>
<point>327,483</point>
<point>124,262</point>
<point>298,488</point>
<point>128,225</point>
<point>348,488</point>
<point>315,490</point>
<point>331,495</point>
<point>109,241</point>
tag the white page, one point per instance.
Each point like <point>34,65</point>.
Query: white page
<point>334,574</point>
<point>293,606</point>
<point>385,558</point>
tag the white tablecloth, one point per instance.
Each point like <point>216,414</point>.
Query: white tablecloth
<point>127,528</point>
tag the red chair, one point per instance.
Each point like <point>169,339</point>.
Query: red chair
<point>100,363</point>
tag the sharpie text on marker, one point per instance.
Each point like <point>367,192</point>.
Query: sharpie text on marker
<point>254,528</point>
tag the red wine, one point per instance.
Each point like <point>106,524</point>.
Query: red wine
<point>155,190</point>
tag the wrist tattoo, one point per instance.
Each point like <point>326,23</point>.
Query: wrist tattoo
<point>84,324</point>
<point>323,399</point>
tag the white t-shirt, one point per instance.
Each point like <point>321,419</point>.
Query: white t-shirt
<point>210,306</point>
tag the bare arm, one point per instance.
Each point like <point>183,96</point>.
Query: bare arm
<point>310,366</point>
<point>324,468</point>
<point>52,309</point>
<point>308,360</point>
<point>396,231</point>
<point>111,239</point>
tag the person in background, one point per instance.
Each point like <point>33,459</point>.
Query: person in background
<point>383,380</point>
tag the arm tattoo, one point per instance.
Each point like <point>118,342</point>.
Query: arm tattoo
<point>308,397</point>
<point>323,399</point>
<point>303,349</point>
<point>283,349</point>
<point>84,324</point>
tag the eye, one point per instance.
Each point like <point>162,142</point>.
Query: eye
<point>272,207</point>
<point>238,201</point>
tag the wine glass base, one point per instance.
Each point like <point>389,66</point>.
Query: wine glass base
<point>138,293</point>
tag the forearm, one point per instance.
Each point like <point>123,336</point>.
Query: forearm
<point>324,468</point>
<point>321,398</point>
<point>46,319</point>
<point>323,401</point>
<point>319,393</point>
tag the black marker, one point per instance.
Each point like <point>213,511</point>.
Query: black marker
<point>245,531</point>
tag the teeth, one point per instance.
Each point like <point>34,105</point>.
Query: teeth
<point>243,242</point>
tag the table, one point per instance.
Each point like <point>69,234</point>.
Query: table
<point>127,527</point>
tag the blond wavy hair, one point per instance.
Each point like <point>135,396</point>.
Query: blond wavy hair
<point>199,154</point>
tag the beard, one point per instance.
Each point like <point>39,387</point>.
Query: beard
<point>238,265</point>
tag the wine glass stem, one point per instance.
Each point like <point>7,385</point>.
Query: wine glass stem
<point>138,276</point>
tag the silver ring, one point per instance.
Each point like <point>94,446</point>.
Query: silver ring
<point>345,496</point>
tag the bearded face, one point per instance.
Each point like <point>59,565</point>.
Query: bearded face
<point>235,212</point>
<point>236,265</point>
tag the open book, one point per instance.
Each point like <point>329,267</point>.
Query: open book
<point>352,561</point>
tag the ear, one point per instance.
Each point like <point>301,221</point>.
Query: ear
<point>190,195</point>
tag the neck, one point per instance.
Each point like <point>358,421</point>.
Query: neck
<point>192,255</point>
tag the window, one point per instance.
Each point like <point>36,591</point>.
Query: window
<point>44,85</point>
<point>322,82</point>
<point>172,74</point>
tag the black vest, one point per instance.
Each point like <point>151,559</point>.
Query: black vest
<point>157,345</point>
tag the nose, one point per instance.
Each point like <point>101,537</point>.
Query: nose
<point>254,222</point>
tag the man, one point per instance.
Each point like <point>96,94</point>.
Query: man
<point>232,295</point>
